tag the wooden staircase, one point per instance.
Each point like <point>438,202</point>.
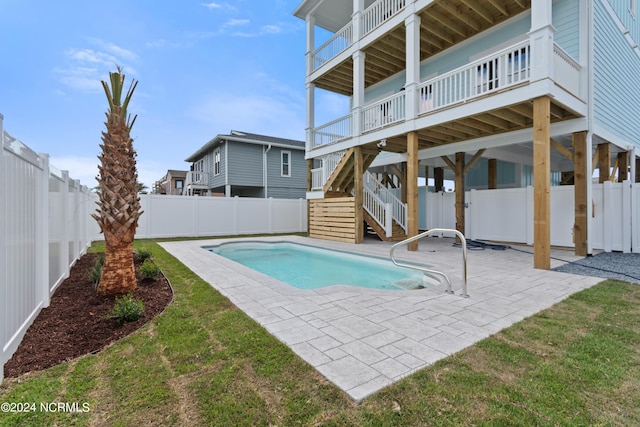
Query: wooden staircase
<point>398,234</point>
<point>342,179</point>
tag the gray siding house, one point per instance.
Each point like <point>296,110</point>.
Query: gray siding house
<point>248,165</point>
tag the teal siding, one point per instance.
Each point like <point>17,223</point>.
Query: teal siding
<point>245,164</point>
<point>566,21</point>
<point>616,71</point>
<point>459,56</point>
<point>630,22</point>
<point>478,176</point>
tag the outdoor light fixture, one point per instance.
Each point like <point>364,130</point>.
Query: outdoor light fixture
<point>382,143</point>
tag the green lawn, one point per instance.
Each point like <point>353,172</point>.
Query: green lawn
<point>204,362</point>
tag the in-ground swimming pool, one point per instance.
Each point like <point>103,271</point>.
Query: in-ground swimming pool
<point>307,267</point>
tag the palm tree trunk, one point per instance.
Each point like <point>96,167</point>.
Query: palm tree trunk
<point>118,272</point>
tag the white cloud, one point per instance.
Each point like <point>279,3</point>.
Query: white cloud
<point>87,67</point>
<point>219,6</point>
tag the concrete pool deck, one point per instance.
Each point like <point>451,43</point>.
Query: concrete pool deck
<point>363,340</point>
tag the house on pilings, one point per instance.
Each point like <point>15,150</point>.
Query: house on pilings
<point>436,88</point>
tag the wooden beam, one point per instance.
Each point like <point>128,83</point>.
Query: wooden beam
<point>438,179</point>
<point>493,174</point>
<point>541,183</point>
<point>623,166</point>
<point>474,160</point>
<point>358,174</point>
<point>604,162</point>
<point>580,174</point>
<point>449,163</point>
<point>594,161</point>
<point>412,188</point>
<point>459,193</point>
<point>614,173</point>
<point>560,149</point>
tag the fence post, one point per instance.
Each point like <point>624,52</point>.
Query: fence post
<point>607,214</point>
<point>236,214</point>
<point>270,217</point>
<point>3,258</point>
<point>635,224</point>
<point>64,244</point>
<point>529,215</point>
<point>627,229</point>
<point>388,219</point>
<point>302,209</point>
<point>42,230</point>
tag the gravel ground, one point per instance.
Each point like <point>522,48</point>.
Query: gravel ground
<point>609,265</point>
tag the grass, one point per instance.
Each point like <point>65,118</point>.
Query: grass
<point>204,362</point>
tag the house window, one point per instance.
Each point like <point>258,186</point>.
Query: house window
<point>179,183</point>
<point>216,162</point>
<point>285,163</point>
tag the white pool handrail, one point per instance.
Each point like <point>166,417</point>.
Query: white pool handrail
<point>428,270</point>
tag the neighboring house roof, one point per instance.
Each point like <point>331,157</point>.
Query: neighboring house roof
<point>177,173</point>
<point>248,138</point>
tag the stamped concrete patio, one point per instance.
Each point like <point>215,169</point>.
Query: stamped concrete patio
<point>362,339</point>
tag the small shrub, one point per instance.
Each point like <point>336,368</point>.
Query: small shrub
<point>96,270</point>
<point>127,309</point>
<point>144,254</point>
<point>149,270</point>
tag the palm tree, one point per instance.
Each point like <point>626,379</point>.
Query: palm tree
<point>118,204</point>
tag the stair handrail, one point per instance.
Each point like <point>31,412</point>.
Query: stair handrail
<point>428,270</point>
<point>399,209</point>
<point>378,209</point>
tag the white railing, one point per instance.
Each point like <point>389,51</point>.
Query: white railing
<point>319,176</point>
<point>197,178</point>
<point>566,71</point>
<point>45,226</point>
<point>506,68</point>
<point>378,13</point>
<point>398,209</point>
<point>332,47</point>
<point>379,211</point>
<point>331,132</point>
<point>384,112</point>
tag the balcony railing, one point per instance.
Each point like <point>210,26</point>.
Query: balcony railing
<point>384,112</point>
<point>374,16</point>
<point>319,176</point>
<point>483,77</point>
<point>332,47</point>
<point>379,12</point>
<point>506,68</point>
<point>566,71</point>
<point>197,178</point>
<point>331,132</point>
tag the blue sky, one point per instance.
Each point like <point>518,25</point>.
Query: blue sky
<point>203,68</point>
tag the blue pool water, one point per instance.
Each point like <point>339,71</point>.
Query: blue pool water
<point>307,267</point>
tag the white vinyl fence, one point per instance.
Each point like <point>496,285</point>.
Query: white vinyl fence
<point>193,216</point>
<point>44,229</point>
<point>507,215</point>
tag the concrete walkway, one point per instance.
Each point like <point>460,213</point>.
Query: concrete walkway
<point>363,340</point>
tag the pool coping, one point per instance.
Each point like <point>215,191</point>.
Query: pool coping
<point>363,340</point>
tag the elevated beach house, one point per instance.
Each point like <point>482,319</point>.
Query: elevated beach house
<point>248,165</point>
<point>171,183</point>
<point>551,86</point>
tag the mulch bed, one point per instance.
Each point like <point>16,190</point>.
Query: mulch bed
<point>76,323</point>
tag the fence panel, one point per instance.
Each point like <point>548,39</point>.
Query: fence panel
<point>193,216</point>
<point>44,229</point>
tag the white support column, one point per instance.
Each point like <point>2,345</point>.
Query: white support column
<point>311,23</point>
<point>42,230</point>
<point>412,25</point>
<point>358,92</point>
<point>541,40</point>
<point>356,18</point>
<point>311,101</point>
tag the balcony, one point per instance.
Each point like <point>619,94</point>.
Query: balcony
<point>485,77</point>
<point>373,17</point>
